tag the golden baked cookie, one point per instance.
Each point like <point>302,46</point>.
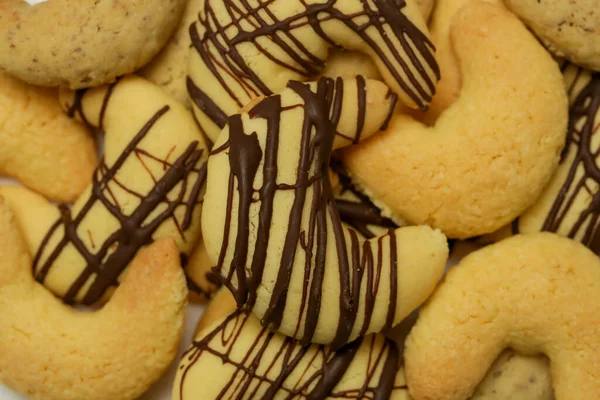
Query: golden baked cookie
<point>50,351</point>
<point>568,28</point>
<point>488,156</point>
<point>537,293</point>
<point>511,376</point>
<point>238,358</point>
<point>39,145</point>
<point>273,232</point>
<point>169,68</point>
<point>82,44</point>
<point>242,53</point>
<point>148,186</point>
<point>448,88</point>
<point>570,204</point>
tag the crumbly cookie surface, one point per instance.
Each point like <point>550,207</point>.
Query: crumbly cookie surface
<point>82,43</point>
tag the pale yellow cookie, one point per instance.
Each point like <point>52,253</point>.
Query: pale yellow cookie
<point>537,293</point>
<point>273,232</point>
<point>488,156</point>
<point>169,68</point>
<point>50,351</point>
<point>569,28</point>
<point>148,186</point>
<point>570,204</point>
<point>237,358</point>
<point>82,43</point>
<point>239,54</point>
<point>511,376</point>
<point>516,377</point>
<point>39,145</point>
<point>448,88</point>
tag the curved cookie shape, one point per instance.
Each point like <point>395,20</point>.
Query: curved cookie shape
<point>40,146</point>
<point>238,358</point>
<point>51,351</point>
<point>570,204</point>
<point>511,376</point>
<point>82,44</point>
<point>242,52</point>
<point>570,29</point>
<point>148,186</point>
<point>169,68</point>
<point>488,156</point>
<point>275,235</point>
<point>537,293</point>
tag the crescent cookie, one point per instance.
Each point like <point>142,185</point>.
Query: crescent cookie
<point>511,377</point>
<point>41,147</point>
<point>148,186</point>
<point>242,52</point>
<point>169,68</point>
<point>488,156</point>
<point>570,204</point>
<point>273,232</point>
<point>537,293</point>
<point>568,28</point>
<point>53,352</point>
<point>238,358</point>
<point>82,44</point>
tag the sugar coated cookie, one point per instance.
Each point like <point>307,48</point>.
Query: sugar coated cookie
<point>537,293</point>
<point>39,145</point>
<point>148,186</point>
<point>488,156</point>
<point>82,44</point>
<point>50,351</point>
<point>570,204</point>
<point>274,234</point>
<point>241,53</point>
<point>569,28</point>
<point>238,358</point>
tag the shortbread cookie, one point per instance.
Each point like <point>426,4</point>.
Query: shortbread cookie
<point>570,204</point>
<point>51,351</point>
<point>39,145</point>
<point>169,68</point>
<point>489,156</point>
<point>569,28</point>
<point>511,376</point>
<point>537,293</point>
<point>148,186</point>
<point>241,53</point>
<point>238,358</point>
<point>82,44</point>
<point>273,232</point>
<point>448,88</point>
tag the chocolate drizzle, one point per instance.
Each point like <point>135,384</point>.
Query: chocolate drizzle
<point>313,201</point>
<point>583,175</point>
<point>291,370</point>
<point>104,263</point>
<point>404,51</point>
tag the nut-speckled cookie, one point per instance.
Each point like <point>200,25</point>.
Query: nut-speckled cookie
<point>51,351</point>
<point>148,186</point>
<point>569,28</point>
<point>241,54</point>
<point>273,232</point>
<point>488,156</point>
<point>39,145</point>
<point>82,43</point>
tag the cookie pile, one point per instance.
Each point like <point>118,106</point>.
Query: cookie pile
<point>303,166</point>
